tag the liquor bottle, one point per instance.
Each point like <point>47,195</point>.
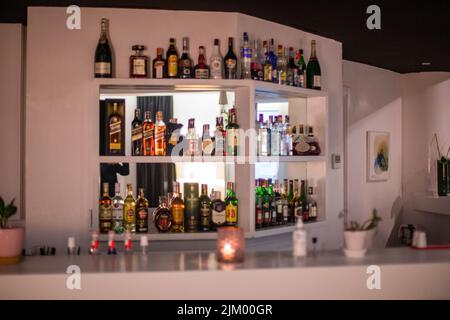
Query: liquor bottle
<point>136,134</point>
<point>141,212</point>
<point>256,63</point>
<point>259,195</point>
<point>273,60</point>
<point>312,205</point>
<point>218,208</point>
<point>216,62</point>
<point>162,216</point>
<point>117,210</point>
<point>230,62</point>
<point>291,205</point>
<point>267,66</point>
<point>159,65</point>
<point>219,138</point>
<point>299,145</point>
<point>185,62</point>
<point>129,211</point>
<point>267,214</point>
<point>177,210</point>
<point>304,200</point>
<point>278,203</point>
<point>172,60</point>
<point>148,139</point>
<point>201,70</point>
<point>311,140</point>
<point>232,137</point>
<point>275,138</point>
<point>105,210</point>
<point>289,140</point>
<point>191,207</point>
<point>291,69</point>
<point>284,201</point>
<point>246,58</point>
<point>231,211</point>
<point>272,203</point>
<point>301,69</point>
<point>160,135</point>
<point>313,69</point>
<point>138,62</point>
<point>192,140</point>
<point>115,131</point>
<point>205,209</point>
<point>263,140</point>
<point>281,66</point>
<point>283,135</point>
<point>103,58</point>
<point>207,143</point>
<point>297,202</point>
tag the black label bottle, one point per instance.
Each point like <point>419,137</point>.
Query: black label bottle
<point>136,134</point>
<point>230,61</point>
<point>185,63</point>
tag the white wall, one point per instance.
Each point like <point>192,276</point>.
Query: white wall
<point>11,93</point>
<point>374,104</point>
<point>426,110</point>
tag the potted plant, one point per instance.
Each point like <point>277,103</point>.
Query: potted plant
<point>11,239</point>
<point>358,237</point>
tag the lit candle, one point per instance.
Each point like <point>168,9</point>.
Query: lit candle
<point>230,244</point>
<point>228,252</point>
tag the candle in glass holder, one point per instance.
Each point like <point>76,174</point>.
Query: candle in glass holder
<point>230,244</point>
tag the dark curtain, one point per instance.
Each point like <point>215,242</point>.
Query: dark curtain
<point>103,125</point>
<point>156,178</point>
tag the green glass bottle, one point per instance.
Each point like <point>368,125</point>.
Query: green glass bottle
<point>291,205</point>
<point>205,209</point>
<point>258,205</point>
<point>191,207</point>
<point>265,204</point>
<point>231,202</point>
<point>313,73</point>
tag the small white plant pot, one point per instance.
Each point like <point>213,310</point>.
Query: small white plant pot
<point>355,240</point>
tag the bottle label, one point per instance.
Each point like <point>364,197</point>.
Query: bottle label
<point>160,141</point>
<point>115,135</point>
<point>216,67</point>
<point>230,65</point>
<point>247,53</point>
<point>103,68</point>
<point>136,134</point>
<point>172,66</point>
<point>298,212</point>
<point>232,141</point>
<point>316,81</point>
<point>159,68</point>
<point>285,212</point>
<point>163,222</point>
<point>142,221</point>
<point>105,212</point>
<point>231,213</point>
<point>219,142</point>
<point>259,216</point>
<point>266,212</point>
<point>218,217</point>
<point>178,215</point>
<point>139,67</point>
<point>117,212</point>
<point>207,147</point>
<point>202,74</point>
<point>267,72</point>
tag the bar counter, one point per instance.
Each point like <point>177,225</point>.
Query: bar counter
<point>405,273</point>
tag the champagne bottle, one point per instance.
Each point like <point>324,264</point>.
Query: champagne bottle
<point>103,56</point>
<point>313,69</point>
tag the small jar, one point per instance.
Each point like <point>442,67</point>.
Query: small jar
<point>138,63</point>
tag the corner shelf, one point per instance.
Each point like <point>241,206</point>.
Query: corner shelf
<point>432,204</point>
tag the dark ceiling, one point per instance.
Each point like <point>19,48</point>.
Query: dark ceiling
<point>411,33</point>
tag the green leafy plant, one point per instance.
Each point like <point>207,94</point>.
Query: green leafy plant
<point>366,225</point>
<point>6,212</point>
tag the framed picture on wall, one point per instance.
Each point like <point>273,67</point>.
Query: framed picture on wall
<point>378,156</point>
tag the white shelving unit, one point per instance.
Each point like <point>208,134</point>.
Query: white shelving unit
<point>305,106</point>
<point>432,204</point>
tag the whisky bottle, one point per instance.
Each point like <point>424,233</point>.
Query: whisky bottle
<point>313,73</point>
<point>185,63</point>
<point>205,209</point>
<point>129,211</point>
<point>138,62</point>
<point>192,140</point>
<point>216,62</point>
<point>267,214</point>
<point>201,70</point>
<point>281,66</point>
<point>105,210</point>
<point>117,210</point>
<point>258,204</point>
<point>301,69</point>
<point>267,66</point>
<point>297,202</point>
<point>219,138</point>
<point>231,202</point>
<point>142,212</point>
<point>115,132</point>
<point>172,60</point>
<point>278,203</point>
<point>272,203</point>
<point>312,205</point>
<point>232,139</point>
<point>163,217</point>
<point>191,207</point>
<point>246,58</point>
<point>304,201</point>
<point>218,208</point>
<point>160,135</point>
<point>136,134</point>
<point>284,201</point>
<point>148,139</point>
<point>177,210</point>
<point>291,205</point>
<point>299,145</point>
<point>103,57</point>
<point>291,69</point>
<point>207,143</point>
<point>159,65</point>
<point>230,62</point>
<point>311,140</point>
<point>263,139</point>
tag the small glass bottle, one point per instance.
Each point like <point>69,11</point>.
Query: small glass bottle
<point>192,139</point>
<point>163,217</point>
<point>160,135</point>
<point>207,144</point>
<point>218,211</point>
<point>138,63</point>
<point>201,70</point>
<point>159,65</point>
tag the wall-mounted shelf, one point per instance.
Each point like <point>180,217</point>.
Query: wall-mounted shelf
<point>438,205</point>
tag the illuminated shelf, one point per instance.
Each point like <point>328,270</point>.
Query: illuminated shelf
<point>291,158</point>
<point>275,230</point>
<point>165,236</point>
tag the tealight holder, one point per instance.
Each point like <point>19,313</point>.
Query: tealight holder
<point>230,244</point>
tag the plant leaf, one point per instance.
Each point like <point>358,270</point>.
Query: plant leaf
<point>2,205</point>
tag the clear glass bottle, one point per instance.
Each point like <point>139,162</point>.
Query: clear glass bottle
<point>192,140</point>
<point>219,138</point>
<point>263,140</point>
<point>256,63</point>
<point>275,138</point>
<point>138,62</point>
<point>117,210</point>
<point>207,143</point>
<point>216,62</point>
<point>246,59</point>
<point>160,135</point>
